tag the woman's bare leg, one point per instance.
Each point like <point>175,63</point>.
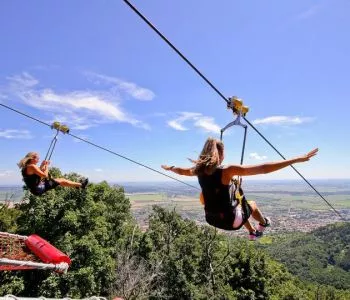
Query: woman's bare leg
<point>249,226</point>
<point>256,213</point>
<point>67,183</point>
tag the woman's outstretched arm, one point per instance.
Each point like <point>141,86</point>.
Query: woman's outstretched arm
<point>233,170</point>
<point>178,170</point>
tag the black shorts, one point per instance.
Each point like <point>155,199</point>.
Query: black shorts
<point>224,220</point>
<point>44,186</point>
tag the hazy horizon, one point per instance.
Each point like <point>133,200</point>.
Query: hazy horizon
<point>173,182</point>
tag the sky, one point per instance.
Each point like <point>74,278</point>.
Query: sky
<point>98,68</point>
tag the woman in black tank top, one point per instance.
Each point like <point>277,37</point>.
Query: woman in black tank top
<point>37,178</point>
<point>215,180</point>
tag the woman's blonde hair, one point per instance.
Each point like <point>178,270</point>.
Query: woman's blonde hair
<point>25,160</point>
<point>210,157</point>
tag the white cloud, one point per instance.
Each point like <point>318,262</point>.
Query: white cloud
<point>74,102</point>
<point>24,80</point>
<point>129,88</point>
<point>5,173</point>
<point>208,124</point>
<point>15,134</point>
<point>98,170</point>
<point>282,120</point>
<point>177,125</point>
<point>196,119</point>
<point>256,156</point>
<point>79,109</point>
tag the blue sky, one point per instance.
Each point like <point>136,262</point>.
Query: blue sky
<point>98,68</point>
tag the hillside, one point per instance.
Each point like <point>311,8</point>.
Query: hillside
<point>322,256</point>
<point>173,258</point>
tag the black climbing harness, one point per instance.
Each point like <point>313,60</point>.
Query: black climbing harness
<point>236,191</point>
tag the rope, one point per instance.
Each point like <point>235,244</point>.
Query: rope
<point>12,235</point>
<point>219,93</point>
<point>12,297</point>
<point>12,264</point>
<point>102,148</point>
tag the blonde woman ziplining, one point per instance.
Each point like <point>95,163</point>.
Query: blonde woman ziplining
<point>215,180</point>
<point>37,179</point>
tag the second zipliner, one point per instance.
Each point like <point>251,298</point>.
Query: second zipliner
<point>37,179</point>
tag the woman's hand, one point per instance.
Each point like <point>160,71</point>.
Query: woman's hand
<point>179,170</point>
<point>307,156</point>
<point>167,168</point>
<point>44,163</point>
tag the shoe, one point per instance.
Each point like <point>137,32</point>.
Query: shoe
<point>262,227</point>
<point>253,235</point>
<point>84,183</point>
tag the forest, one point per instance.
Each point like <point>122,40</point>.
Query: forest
<point>173,259</point>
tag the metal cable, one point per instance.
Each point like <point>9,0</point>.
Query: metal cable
<point>219,93</point>
<point>102,148</point>
<point>280,154</point>
<point>176,50</point>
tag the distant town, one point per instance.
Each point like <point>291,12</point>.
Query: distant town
<point>292,205</point>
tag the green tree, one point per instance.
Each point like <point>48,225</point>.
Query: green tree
<point>8,218</point>
<point>89,225</point>
<point>321,256</point>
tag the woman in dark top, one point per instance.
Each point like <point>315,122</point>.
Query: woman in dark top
<point>37,178</point>
<point>215,182</point>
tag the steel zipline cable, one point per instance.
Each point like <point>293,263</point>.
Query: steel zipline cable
<point>102,148</point>
<point>280,154</point>
<point>171,45</point>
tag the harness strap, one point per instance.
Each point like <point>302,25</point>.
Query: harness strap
<point>239,197</point>
<point>52,146</point>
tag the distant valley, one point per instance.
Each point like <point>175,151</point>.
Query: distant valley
<point>292,205</point>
